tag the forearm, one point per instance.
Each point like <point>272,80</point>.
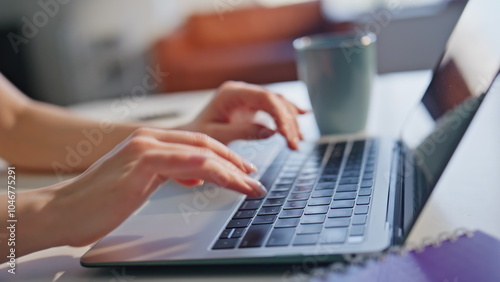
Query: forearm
<point>47,137</point>
<point>35,217</point>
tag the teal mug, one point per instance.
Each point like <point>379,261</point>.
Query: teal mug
<point>338,70</point>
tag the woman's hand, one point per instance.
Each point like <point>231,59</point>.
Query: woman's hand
<point>219,119</point>
<point>96,202</point>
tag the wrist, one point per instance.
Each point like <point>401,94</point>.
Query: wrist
<point>39,221</point>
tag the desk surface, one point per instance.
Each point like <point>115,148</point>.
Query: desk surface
<point>466,196</point>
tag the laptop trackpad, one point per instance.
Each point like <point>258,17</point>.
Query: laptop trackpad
<point>184,226</point>
<point>189,201</point>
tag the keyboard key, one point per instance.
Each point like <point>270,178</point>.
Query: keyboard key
<point>298,197</point>
<point>349,180</point>
<point>225,234</point>
<point>286,222</point>
<point>358,145</point>
<point>235,223</point>
<point>277,195</point>
<point>347,188</point>
<point>366,183</point>
<point>365,192</point>
<point>305,239</point>
<point>244,214</point>
<point>322,193</point>
<point>238,232</point>
<point>251,205</point>
<point>295,205</point>
<point>310,229</point>
<point>280,237</point>
<point>291,168</point>
<point>332,169</point>
<point>274,202</point>
<point>269,210</point>
<point>255,236</point>
<point>355,166</point>
<point>264,219</point>
<point>309,219</point>
<point>337,222</point>
<point>302,189</point>
<point>308,175</point>
<point>352,173</point>
<point>342,204</point>
<point>281,187</point>
<point>288,174</point>
<point>328,178</point>
<point>370,168</point>
<point>310,169</point>
<point>368,176</point>
<point>324,185</point>
<point>359,219</point>
<point>291,213</point>
<point>363,209</point>
<point>363,200</point>
<point>261,197</point>
<point>225,244</point>
<point>345,196</point>
<point>333,236</point>
<point>316,210</point>
<point>306,182</point>
<point>286,180</point>
<point>357,230</point>
<point>340,213</point>
<point>319,201</point>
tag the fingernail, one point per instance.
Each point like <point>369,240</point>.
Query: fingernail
<point>296,143</point>
<point>256,186</point>
<point>250,166</point>
<point>265,133</point>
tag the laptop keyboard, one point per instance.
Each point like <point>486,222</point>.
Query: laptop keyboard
<point>321,196</point>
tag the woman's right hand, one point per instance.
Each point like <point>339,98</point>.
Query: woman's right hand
<point>96,202</point>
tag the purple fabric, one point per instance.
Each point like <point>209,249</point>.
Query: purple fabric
<point>468,259</point>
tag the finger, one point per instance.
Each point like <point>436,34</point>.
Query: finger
<point>300,110</point>
<point>257,98</point>
<point>228,132</point>
<point>182,164</point>
<point>292,112</point>
<point>189,182</point>
<point>199,150</point>
<point>198,140</point>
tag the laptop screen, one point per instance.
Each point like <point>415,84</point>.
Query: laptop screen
<point>462,77</point>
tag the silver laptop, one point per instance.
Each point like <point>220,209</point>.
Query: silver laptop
<point>333,197</point>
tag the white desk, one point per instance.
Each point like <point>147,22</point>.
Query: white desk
<point>467,195</point>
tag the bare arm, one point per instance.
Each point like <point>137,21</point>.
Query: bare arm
<point>43,137</point>
<point>38,136</point>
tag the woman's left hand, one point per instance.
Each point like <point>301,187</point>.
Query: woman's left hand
<point>219,119</point>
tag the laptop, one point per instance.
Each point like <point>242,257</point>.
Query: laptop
<point>333,197</point>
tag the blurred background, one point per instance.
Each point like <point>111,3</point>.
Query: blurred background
<point>66,52</point>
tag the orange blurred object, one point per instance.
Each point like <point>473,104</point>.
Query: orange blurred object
<point>252,45</point>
